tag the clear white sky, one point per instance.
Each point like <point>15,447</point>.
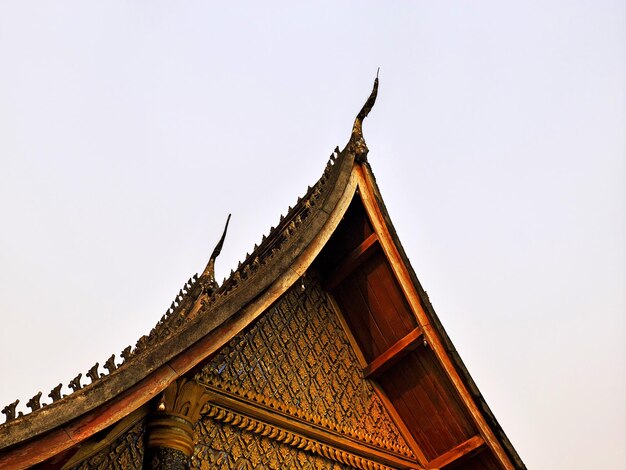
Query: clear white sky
<point>129,130</point>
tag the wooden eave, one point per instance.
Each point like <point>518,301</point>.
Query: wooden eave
<point>435,334</point>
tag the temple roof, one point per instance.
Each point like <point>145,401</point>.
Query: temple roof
<point>204,317</point>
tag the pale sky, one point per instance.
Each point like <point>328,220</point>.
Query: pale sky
<point>129,130</point>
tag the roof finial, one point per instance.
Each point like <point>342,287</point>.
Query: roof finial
<point>357,142</point>
<point>207,279</point>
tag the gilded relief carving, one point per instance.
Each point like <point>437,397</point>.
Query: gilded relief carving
<point>297,359</point>
<point>308,451</point>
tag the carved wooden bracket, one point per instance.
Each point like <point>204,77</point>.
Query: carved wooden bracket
<point>177,411</point>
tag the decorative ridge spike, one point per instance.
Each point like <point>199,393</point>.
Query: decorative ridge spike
<point>208,282</point>
<point>34,403</point>
<point>9,411</point>
<point>357,142</point>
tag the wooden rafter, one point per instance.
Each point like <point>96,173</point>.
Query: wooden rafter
<point>352,261</point>
<point>392,355</point>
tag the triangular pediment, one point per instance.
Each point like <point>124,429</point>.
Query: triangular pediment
<point>297,364</point>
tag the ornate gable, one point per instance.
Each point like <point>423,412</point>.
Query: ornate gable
<point>321,350</point>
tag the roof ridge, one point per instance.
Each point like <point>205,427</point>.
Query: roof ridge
<point>177,314</point>
<point>184,306</point>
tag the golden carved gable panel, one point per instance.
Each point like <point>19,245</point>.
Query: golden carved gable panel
<point>297,359</point>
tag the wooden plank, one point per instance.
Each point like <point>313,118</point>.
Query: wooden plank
<point>457,453</point>
<point>394,295</point>
<point>387,295</point>
<point>360,318</point>
<point>366,303</point>
<point>408,388</point>
<point>353,260</point>
<point>400,423</point>
<point>458,421</point>
<point>368,195</point>
<point>377,312</point>
<point>392,355</point>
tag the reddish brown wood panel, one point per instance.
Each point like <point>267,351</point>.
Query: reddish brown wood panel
<point>426,401</point>
<point>380,317</point>
<point>352,261</point>
<point>483,460</point>
<point>353,303</point>
<point>375,307</point>
<point>458,454</point>
<point>353,229</point>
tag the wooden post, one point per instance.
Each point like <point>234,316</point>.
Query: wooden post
<point>170,426</point>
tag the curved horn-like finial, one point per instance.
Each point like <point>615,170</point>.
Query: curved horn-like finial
<point>357,142</point>
<point>208,276</point>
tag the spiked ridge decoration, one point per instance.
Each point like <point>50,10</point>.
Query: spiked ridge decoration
<point>271,244</point>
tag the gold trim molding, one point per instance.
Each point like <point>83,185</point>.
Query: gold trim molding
<point>270,420</point>
<point>292,439</point>
<point>237,392</point>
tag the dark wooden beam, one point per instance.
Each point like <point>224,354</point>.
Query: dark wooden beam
<point>392,355</point>
<point>354,259</point>
<point>454,455</point>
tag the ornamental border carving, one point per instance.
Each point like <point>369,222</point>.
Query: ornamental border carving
<point>270,421</point>
<point>293,412</point>
<point>292,439</point>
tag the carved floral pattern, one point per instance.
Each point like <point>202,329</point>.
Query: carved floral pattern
<point>297,358</point>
